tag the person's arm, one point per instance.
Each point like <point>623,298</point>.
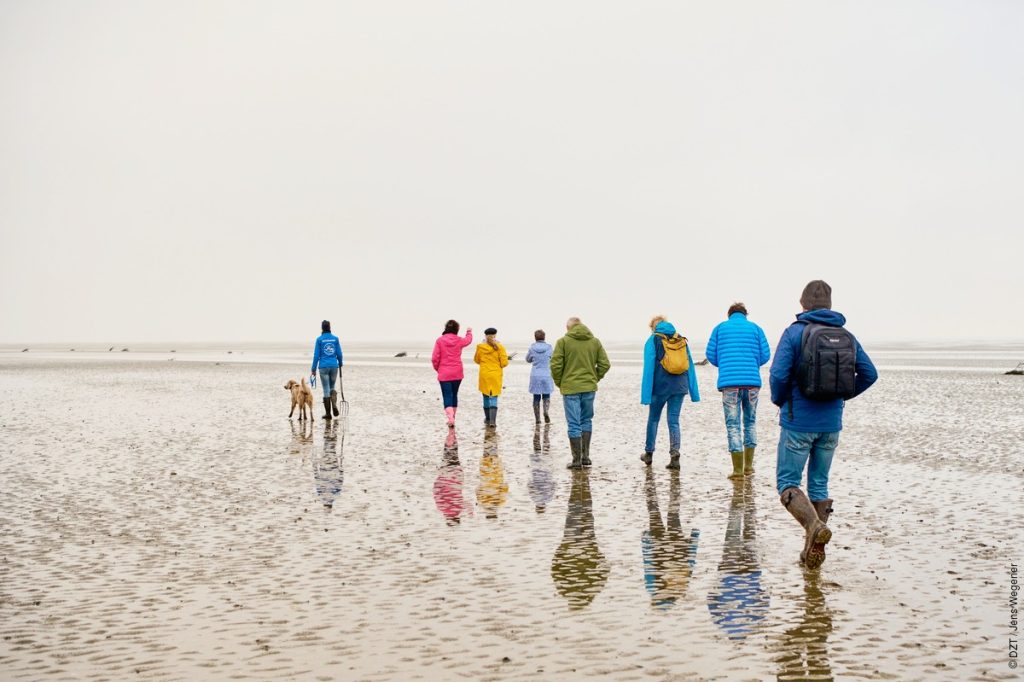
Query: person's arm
<point>647,377</point>
<point>529,356</point>
<point>766,352</point>
<point>603,365</point>
<point>476,355</point>
<point>435,357</point>
<point>711,352</point>
<point>691,380</point>
<point>780,377</point>
<point>866,372</point>
<point>316,356</point>
<point>468,338</point>
<point>341,356</point>
<point>502,355</point>
<point>557,360</point>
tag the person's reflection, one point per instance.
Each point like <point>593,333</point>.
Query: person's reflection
<point>578,568</point>
<point>669,553</point>
<point>805,646</point>
<point>492,491</point>
<point>448,484</point>
<point>541,487</point>
<point>327,466</point>
<point>740,602</point>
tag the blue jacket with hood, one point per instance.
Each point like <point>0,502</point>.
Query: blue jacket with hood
<point>799,413</point>
<point>738,348</point>
<point>656,381</point>
<point>326,352</point>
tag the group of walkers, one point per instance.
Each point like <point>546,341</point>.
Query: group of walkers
<point>818,366</point>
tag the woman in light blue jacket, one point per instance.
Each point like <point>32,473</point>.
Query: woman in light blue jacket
<point>541,384</point>
<point>738,348</point>
<point>660,387</point>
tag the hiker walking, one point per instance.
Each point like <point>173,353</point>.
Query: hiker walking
<point>541,384</point>
<point>447,361</point>
<point>668,377</point>
<point>327,357</point>
<point>492,358</point>
<point>738,348</point>
<point>578,363</point>
<point>818,366</point>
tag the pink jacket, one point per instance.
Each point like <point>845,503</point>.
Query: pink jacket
<point>447,357</point>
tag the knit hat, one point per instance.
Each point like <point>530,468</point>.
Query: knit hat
<point>325,326</point>
<point>817,294</point>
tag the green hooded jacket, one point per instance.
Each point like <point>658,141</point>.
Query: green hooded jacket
<point>579,361</point>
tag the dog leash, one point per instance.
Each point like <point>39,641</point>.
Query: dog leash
<point>312,381</point>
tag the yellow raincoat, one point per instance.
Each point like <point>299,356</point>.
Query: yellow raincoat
<point>491,361</point>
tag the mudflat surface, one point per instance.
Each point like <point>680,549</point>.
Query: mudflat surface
<point>166,520</point>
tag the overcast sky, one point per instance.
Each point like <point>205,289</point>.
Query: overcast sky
<point>238,171</point>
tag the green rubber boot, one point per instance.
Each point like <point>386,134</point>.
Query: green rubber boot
<point>737,465</point>
<point>748,461</point>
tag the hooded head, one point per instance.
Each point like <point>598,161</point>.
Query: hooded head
<point>325,327</point>
<point>572,322</point>
<point>655,321</point>
<point>817,294</point>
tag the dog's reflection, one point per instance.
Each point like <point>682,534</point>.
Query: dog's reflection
<point>805,654</point>
<point>739,602</point>
<point>302,437</point>
<point>669,553</point>
<point>492,490</point>
<point>541,485</point>
<point>578,568</point>
<point>328,472</point>
<point>448,484</point>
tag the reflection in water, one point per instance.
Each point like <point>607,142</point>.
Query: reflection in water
<point>492,491</point>
<point>327,466</point>
<point>578,568</point>
<point>805,646</point>
<point>541,486</point>
<point>669,554</point>
<point>448,484</point>
<point>739,602</point>
<point>302,436</point>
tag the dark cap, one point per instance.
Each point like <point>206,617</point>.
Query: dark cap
<point>489,331</point>
<point>817,294</point>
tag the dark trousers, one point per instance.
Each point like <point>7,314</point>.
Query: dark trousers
<point>450,392</point>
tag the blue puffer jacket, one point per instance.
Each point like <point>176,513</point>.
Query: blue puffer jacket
<point>326,352</point>
<point>738,348</point>
<point>656,380</point>
<point>799,413</point>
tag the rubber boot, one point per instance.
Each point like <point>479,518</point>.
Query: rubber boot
<point>487,416</point>
<point>334,402</point>
<point>586,448</point>
<point>737,465</point>
<point>824,509</point>
<point>673,462</point>
<point>576,445</point>
<point>492,417</point>
<point>816,533</point>
<point>536,412</point>
<point>547,405</point>
<point>647,458</point>
<point>449,412</point>
<point>748,461</point>
<point>327,409</point>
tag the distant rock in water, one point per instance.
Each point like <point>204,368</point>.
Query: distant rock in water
<point>124,350</point>
<point>110,349</point>
<point>401,354</point>
<point>1017,371</point>
<point>24,350</point>
<point>703,362</point>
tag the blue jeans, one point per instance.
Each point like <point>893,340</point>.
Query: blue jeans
<point>675,406</point>
<point>450,392</point>
<point>579,412</point>
<point>736,400</point>
<point>538,396</point>
<point>813,450</point>
<point>328,375</point>
<point>490,401</point>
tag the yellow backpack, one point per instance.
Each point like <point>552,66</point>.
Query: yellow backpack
<point>675,360</point>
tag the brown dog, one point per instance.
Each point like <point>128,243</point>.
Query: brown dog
<point>301,396</point>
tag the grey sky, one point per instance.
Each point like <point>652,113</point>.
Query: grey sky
<point>239,171</point>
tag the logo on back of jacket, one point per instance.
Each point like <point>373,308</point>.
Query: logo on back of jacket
<point>328,349</point>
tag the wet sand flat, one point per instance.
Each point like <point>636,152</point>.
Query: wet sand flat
<point>167,521</point>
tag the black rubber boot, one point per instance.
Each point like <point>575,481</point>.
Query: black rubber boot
<point>492,417</point>
<point>334,402</point>
<point>536,412</point>
<point>673,462</point>
<point>824,509</point>
<point>547,404</point>
<point>576,445</point>
<point>586,448</point>
<point>327,409</point>
<point>647,458</point>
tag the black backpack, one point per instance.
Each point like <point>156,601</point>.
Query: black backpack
<point>828,363</point>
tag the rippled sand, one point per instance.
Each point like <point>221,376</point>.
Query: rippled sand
<point>166,520</point>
